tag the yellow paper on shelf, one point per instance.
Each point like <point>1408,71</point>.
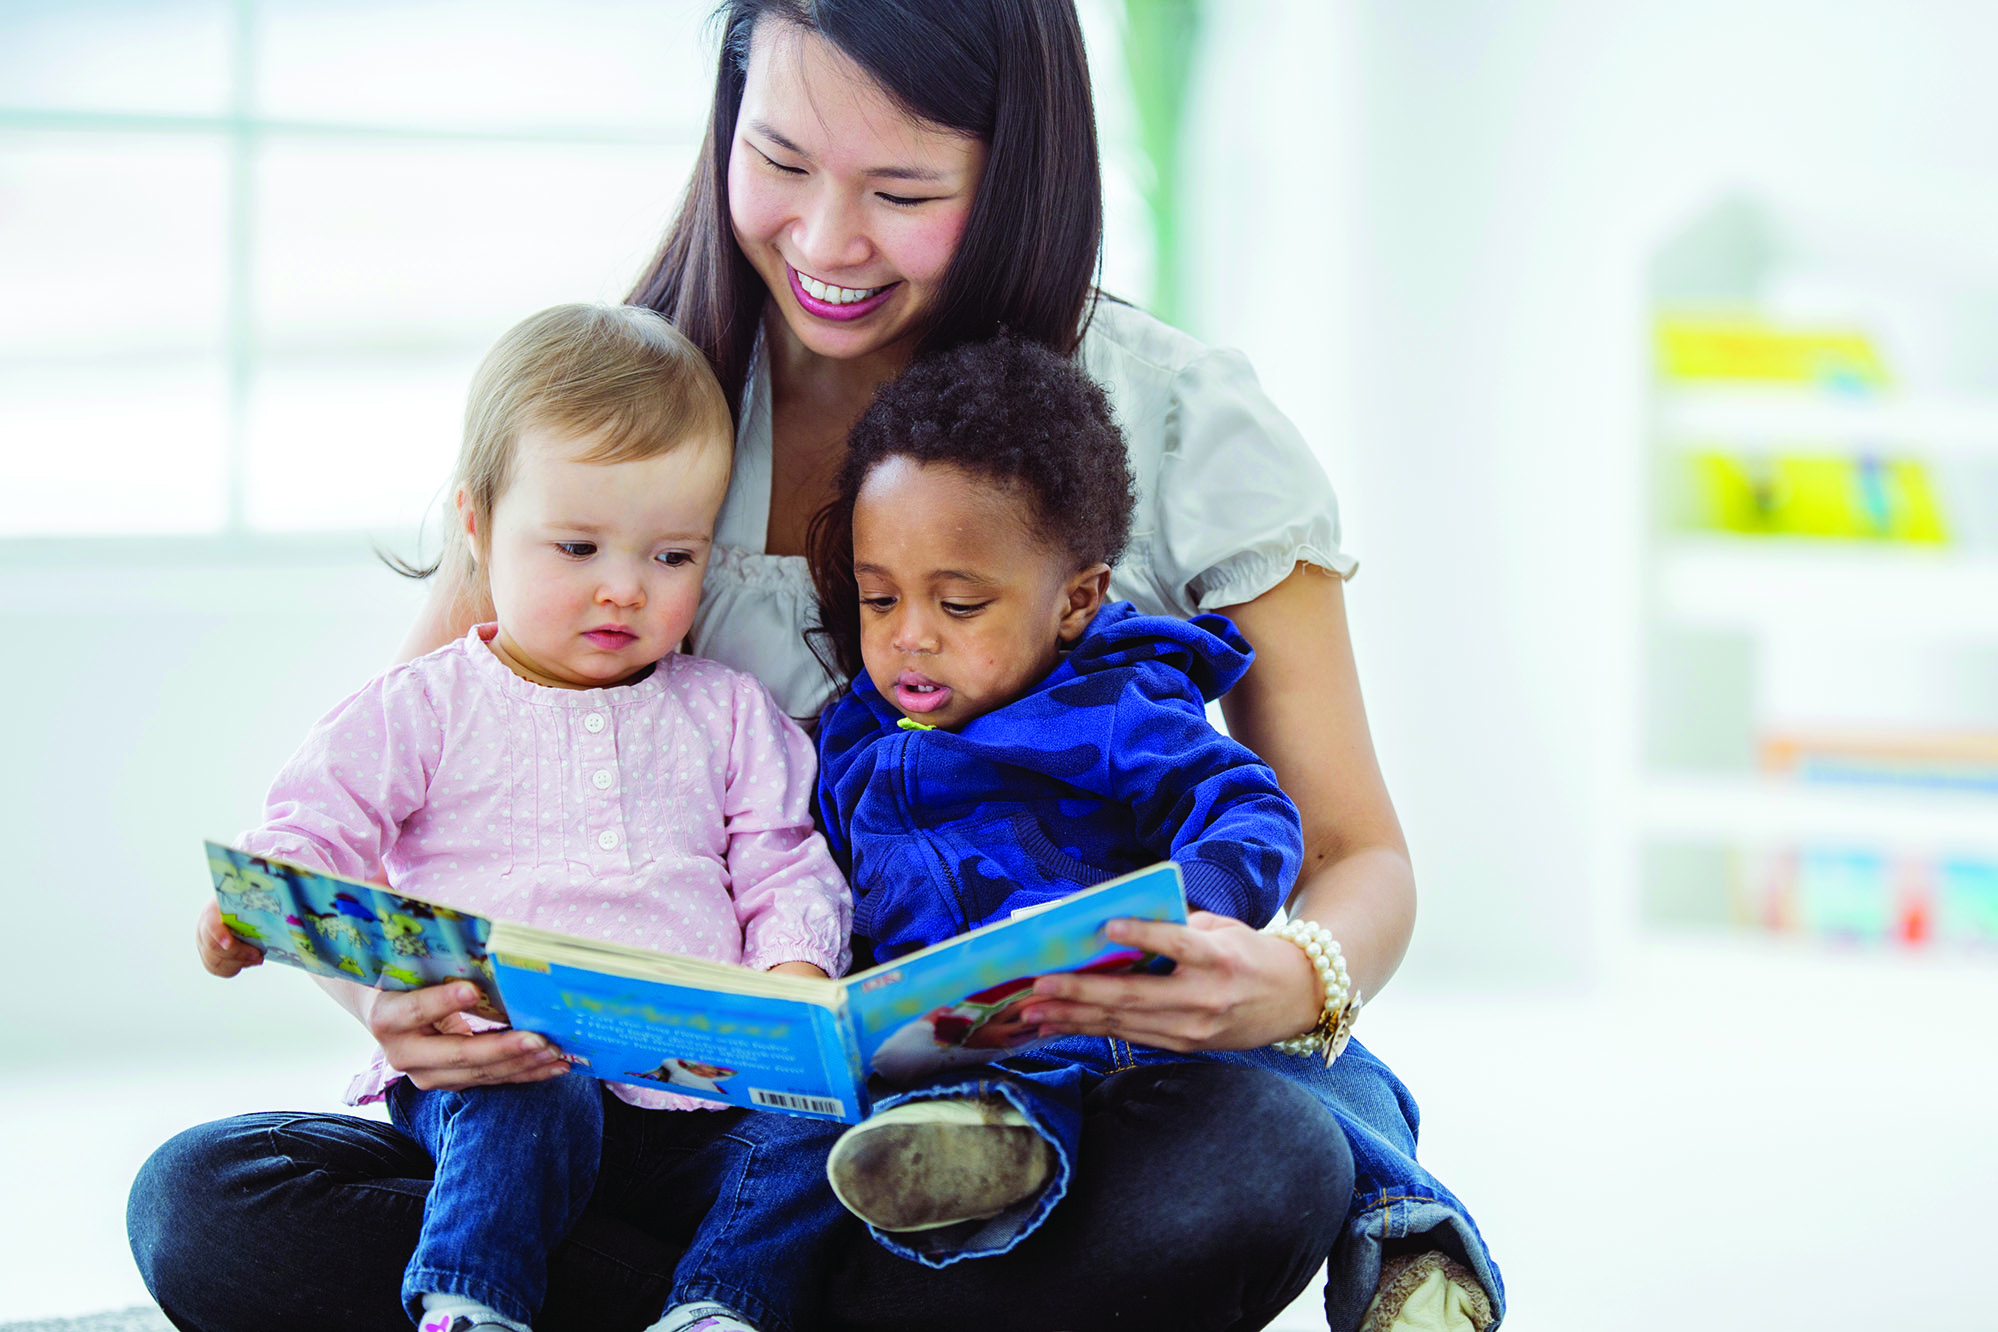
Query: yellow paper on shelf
<point>1749,350</point>
<point>1849,499</point>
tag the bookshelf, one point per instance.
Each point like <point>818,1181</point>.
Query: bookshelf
<point>1820,588</point>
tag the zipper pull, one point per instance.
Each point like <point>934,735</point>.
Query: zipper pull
<point>911,724</point>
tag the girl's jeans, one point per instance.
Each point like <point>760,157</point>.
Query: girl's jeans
<point>516,1165</point>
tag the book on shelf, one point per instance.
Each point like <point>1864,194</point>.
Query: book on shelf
<point>1965,761</point>
<point>1868,894</point>
<point>1826,497</point>
<point>703,1028</point>
<point>1695,347</point>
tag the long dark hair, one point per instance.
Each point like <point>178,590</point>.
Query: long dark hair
<point>1011,72</point>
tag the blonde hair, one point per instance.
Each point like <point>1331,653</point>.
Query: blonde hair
<point>619,375</point>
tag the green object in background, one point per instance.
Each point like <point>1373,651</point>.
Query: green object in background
<point>1158,53</point>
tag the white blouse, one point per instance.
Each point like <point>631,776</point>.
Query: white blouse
<point>1230,499</point>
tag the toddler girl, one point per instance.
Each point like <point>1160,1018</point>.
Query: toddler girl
<point>565,767</point>
<point>1008,739</point>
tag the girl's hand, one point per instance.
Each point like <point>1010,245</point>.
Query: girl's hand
<point>1233,988</point>
<point>424,1034</point>
<point>799,969</point>
<point>222,953</point>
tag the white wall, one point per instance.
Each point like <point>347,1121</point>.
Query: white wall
<point>153,689</point>
<point>1428,224</point>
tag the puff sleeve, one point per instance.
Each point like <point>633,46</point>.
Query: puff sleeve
<point>1230,497</point>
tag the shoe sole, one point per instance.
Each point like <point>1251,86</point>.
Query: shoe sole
<point>923,1176</point>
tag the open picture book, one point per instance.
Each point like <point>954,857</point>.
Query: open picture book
<point>706,1029</point>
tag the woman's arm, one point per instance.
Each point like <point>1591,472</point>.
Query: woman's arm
<point>1299,708</point>
<point>454,605</point>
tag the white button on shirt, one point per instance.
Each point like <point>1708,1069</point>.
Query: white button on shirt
<point>607,840</point>
<point>601,779</point>
<point>593,722</point>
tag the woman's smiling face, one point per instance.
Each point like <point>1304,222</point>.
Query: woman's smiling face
<point>848,208</point>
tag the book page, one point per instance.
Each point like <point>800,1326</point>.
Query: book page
<point>956,1004</point>
<point>349,930</point>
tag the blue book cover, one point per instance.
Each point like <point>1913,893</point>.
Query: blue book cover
<point>702,1028</point>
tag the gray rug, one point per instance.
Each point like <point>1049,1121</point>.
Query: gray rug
<point>144,1318</point>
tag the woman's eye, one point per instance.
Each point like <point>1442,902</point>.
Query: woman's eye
<point>675,559</point>
<point>577,549</point>
<point>901,201</point>
<point>777,165</point>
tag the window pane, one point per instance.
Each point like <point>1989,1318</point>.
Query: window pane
<point>111,243</point>
<point>113,447</point>
<point>415,244</point>
<point>353,441</point>
<point>161,56</point>
<point>633,65</point>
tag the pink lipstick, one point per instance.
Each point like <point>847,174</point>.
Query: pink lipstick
<point>812,305</point>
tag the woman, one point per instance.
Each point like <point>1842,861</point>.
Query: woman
<point>883,177</point>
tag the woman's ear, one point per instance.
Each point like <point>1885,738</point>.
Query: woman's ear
<point>1086,591</point>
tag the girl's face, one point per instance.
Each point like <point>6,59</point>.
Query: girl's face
<point>848,208</point>
<point>963,608</point>
<point>596,568</point>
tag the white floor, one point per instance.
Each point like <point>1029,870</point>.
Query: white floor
<point>1732,1136</point>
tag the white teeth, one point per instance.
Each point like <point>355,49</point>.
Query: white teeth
<point>832,295</point>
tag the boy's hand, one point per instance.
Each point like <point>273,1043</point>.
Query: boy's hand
<point>799,969</point>
<point>222,953</point>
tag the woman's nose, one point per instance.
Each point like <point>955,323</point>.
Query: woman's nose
<point>829,236</point>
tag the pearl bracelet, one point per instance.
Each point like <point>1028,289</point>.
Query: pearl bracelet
<point>1342,1002</point>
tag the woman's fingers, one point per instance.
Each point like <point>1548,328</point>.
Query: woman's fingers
<point>1181,943</point>
<point>423,1034</point>
<point>454,1062</point>
<point>1233,987</point>
<point>396,1013</point>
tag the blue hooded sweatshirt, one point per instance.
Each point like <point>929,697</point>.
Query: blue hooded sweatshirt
<point>1107,765</point>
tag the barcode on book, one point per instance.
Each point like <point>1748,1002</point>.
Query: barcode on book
<point>816,1105</point>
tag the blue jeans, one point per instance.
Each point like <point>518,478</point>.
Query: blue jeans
<point>515,1166</point>
<point>1198,1204</point>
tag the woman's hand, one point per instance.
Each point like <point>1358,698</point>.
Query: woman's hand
<point>222,953</point>
<point>1232,988</point>
<point>425,1036</point>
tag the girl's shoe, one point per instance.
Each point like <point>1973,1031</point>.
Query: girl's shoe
<point>1427,1292</point>
<point>926,1164</point>
<point>702,1316</point>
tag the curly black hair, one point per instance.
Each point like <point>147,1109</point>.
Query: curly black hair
<point>1006,409</point>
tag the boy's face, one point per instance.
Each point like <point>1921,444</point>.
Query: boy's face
<point>596,568</point>
<point>963,608</point>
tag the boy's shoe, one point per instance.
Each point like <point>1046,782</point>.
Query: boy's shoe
<point>926,1164</point>
<point>1427,1292</point>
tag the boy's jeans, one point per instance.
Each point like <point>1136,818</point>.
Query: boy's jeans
<point>517,1163</point>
